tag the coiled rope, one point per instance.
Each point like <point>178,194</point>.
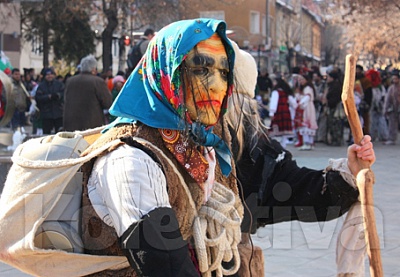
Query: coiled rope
<point>216,232</point>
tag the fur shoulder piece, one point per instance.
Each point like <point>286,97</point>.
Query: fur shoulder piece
<point>121,131</point>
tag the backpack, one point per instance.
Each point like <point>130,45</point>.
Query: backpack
<point>134,55</point>
<point>40,207</point>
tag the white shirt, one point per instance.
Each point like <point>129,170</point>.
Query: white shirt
<point>273,102</point>
<point>125,185</point>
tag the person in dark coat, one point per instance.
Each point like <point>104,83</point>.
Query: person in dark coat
<point>366,102</point>
<point>50,98</point>
<point>335,120</point>
<point>86,96</point>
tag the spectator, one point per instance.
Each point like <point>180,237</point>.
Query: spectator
<point>66,77</point>
<point>86,96</point>
<point>379,128</point>
<point>147,36</point>
<point>137,50</point>
<point>20,100</point>
<point>320,112</point>
<point>118,83</point>
<point>392,107</point>
<point>281,120</point>
<point>50,98</point>
<point>264,83</point>
<point>29,82</point>
<point>31,86</point>
<point>108,78</point>
<point>305,121</point>
<point>336,114</point>
<point>366,101</point>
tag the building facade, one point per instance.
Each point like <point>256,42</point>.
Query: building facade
<point>10,32</point>
<point>279,34</point>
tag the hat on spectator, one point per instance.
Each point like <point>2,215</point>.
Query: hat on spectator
<point>374,76</point>
<point>334,74</point>
<point>48,71</point>
<point>117,79</point>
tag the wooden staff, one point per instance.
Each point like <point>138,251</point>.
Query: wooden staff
<point>365,178</point>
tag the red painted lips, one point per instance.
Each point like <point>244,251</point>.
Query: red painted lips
<point>214,103</point>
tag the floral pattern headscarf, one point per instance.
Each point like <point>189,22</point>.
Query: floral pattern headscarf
<point>153,93</point>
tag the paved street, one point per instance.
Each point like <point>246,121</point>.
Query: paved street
<point>308,249</point>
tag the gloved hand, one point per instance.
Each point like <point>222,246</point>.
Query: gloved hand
<point>55,96</point>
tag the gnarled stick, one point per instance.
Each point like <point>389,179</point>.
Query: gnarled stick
<point>365,178</point>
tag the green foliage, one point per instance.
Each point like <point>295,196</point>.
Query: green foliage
<point>62,25</point>
<point>73,39</point>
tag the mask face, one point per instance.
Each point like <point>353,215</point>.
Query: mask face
<point>206,80</point>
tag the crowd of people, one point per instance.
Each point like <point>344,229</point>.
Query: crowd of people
<point>305,107</point>
<point>51,103</point>
<point>302,108</point>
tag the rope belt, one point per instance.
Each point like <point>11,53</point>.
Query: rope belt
<point>216,232</point>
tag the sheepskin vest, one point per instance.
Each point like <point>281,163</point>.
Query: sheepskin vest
<point>99,238</point>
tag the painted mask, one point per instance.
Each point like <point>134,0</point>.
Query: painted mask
<point>206,80</point>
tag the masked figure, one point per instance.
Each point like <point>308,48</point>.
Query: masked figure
<point>164,191</point>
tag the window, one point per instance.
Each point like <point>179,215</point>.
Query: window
<point>254,22</point>
<point>37,45</point>
<point>264,26</point>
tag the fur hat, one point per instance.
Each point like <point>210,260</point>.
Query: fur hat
<point>245,71</point>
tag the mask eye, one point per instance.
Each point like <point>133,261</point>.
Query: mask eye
<point>200,71</point>
<point>224,73</point>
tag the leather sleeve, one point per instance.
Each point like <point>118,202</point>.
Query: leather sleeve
<point>289,192</point>
<point>154,246</point>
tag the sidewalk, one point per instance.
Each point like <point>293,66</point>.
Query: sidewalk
<point>308,249</point>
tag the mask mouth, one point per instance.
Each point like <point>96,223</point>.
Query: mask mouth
<point>209,103</point>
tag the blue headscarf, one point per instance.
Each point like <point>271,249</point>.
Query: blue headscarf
<point>153,93</point>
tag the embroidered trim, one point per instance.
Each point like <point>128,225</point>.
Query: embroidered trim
<point>187,155</point>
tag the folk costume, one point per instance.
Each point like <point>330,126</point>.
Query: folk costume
<point>305,118</point>
<point>167,168</point>
<point>281,120</point>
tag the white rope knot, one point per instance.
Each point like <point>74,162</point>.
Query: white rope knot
<point>216,232</point>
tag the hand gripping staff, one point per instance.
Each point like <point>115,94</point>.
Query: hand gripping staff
<point>365,178</point>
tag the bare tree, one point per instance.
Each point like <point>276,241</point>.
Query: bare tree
<point>372,25</point>
<point>111,13</point>
<point>333,43</point>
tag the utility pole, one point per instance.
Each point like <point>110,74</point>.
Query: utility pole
<point>267,27</point>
